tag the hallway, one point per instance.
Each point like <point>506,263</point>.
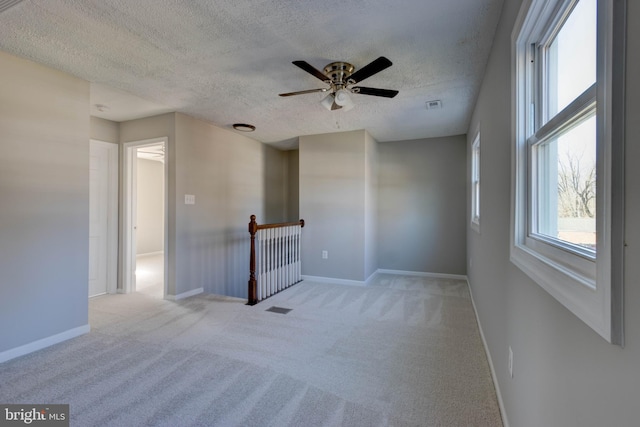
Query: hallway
<point>150,275</point>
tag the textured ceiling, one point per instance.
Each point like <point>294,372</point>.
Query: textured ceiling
<point>225,61</point>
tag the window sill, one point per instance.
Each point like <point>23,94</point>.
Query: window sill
<point>579,294</point>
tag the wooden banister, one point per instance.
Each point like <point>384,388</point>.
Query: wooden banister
<point>278,225</point>
<point>253,228</point>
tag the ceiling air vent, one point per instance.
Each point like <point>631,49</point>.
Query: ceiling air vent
<point>6,4</point>
<point>434,105</point>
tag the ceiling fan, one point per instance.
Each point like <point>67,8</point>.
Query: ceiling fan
<point>340,77</point>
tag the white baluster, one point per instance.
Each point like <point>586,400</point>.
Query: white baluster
<point>261,277</point>
<point>272,272</point>
<point>292,236</point>
<point>279,258</point>
<point>298,256</point>
<point>287,270</point>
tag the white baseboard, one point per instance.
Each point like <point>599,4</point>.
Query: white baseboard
<point>422,274</point>
<point>334,281</point>
<point>184,294</point>
<point>503,411</point>
<point>147,254</point>
<point>43,343</point>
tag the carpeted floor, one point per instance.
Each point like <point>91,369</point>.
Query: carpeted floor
<point>404,351</point>
<point>150,274</point>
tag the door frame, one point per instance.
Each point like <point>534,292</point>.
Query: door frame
<point>129,209</point>
<point>113,151</point>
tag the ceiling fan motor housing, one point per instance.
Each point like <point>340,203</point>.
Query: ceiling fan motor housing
<point>338,73</point>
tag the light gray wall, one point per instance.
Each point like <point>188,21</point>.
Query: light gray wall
<point>150,207</point>
<point>332,203</point>
<point>565,374</point>
<point>422,205</point>
<point>44,194</point>
<point>293,185</point>
<point>275,184</point>
<point>104,130</point>
<point>227,174</point>
<point>44,187</point>
<point>370,205</point>
<point>230,175</point>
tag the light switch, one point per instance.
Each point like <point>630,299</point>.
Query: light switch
<point>189,199</point>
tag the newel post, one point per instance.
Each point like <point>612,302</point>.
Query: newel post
<point>252,297</point>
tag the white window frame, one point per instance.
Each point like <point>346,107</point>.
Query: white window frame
<point>475,183</point>
<point>589,286</point>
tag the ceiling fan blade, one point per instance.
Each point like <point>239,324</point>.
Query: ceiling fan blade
<point>311,70</point>
<point>387,93</point>
<point>302,92</point>
<point>370,69</point>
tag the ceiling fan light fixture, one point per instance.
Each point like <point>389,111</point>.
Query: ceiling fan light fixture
<point>343,99</point>
<point>327,101</point>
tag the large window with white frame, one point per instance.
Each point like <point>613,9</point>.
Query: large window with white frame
<point>565,196</point>
<point>475,183</point>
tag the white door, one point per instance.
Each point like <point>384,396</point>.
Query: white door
<point>98,213</point>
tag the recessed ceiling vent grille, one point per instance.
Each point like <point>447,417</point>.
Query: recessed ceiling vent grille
<point>434,105</point>
<point>6,4</point>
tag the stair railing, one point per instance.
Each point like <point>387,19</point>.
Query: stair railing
<point>274,263</point>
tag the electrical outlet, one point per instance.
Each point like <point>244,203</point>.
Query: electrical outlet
<point>189,199</point>
<point>510,362</point>
<point>325,254</point>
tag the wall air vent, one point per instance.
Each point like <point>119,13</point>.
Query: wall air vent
<point>6,4</point>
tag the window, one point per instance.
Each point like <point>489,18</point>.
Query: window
<point>567,162</point>
<point>475,183</point>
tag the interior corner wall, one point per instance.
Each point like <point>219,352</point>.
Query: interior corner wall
<point>104,130</point>
<point>370,206</point>
<point>228,174</point>
<point>422,205</point>
<point>44,191</point>
<point>564,373</point>
<point>332,203</point>
<point>275,184</point>
<point>293,185</point>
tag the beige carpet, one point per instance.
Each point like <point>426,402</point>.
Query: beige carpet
<point>403,352</point>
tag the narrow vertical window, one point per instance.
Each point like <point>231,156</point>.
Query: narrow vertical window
<point>563,140</point>
<point>567,172</point>
<point>475,183</point>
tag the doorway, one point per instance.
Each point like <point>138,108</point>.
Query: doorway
<point>145,217</point>
<point>103,217</point>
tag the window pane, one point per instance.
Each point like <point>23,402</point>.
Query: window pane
<point>571,58</point>
<point>475,180</point>
<point>566,186</point>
